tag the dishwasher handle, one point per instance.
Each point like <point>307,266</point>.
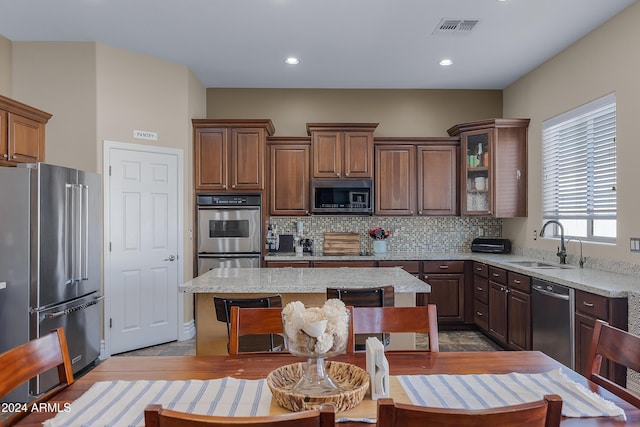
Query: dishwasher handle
<point>550,293</point>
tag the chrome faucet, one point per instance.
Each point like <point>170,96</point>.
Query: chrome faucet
<point>582,259</point>
<point>562,251</point>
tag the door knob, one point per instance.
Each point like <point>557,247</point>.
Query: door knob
<point>171,258</point>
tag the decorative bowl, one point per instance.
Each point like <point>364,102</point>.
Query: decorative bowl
<point>352,382</point>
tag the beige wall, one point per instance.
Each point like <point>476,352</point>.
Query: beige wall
<point>97,92</point>
<point>5,66</point>
<point>60,78</point>
<point>145,93</point>
<point>399,112</point>
<point>602,62</point>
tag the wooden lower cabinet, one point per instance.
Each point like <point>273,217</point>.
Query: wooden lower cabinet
<point>589,308</point>
<point>446,279</point>
<point>481,296</point>
<point>498,312</point>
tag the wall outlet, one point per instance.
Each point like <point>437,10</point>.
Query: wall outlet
<point>480,231</point>
<point>535,234</point>
<point>634,243</point>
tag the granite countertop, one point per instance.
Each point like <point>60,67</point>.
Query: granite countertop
<point>301,280</point>
<point>612,285</point>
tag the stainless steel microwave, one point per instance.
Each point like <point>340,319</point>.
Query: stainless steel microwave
<point>342,196</point>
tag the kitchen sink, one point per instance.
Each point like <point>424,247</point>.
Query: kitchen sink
<point>537,264</point>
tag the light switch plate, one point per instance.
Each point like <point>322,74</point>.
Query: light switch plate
<point>3,285</point>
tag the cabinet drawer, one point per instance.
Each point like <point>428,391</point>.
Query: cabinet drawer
<point>519,282</point>
<point>333,264</point>
<point>412,267</point>
<point>498,275</point>
<point>443,267</point>
<point>284,264</point>
<point>481,314</point>
<point>480,269</point>
<point>592,305</point>
<point>481,289</point>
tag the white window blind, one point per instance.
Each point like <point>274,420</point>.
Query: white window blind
<point>579,162</point>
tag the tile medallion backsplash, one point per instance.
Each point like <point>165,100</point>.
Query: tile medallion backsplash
<point>408,234</point>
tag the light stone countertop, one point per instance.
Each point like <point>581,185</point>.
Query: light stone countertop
<point>301,280</point>
<point>608,284</point>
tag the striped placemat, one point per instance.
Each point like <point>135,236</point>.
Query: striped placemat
<point>122,403</point>
<point>492,391</point>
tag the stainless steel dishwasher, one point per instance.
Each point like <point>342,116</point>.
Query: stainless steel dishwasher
<point>552,320</point>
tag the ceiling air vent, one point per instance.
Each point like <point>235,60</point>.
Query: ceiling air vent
<point>456,26</point>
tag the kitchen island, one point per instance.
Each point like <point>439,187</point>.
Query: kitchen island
<point>293,284</point>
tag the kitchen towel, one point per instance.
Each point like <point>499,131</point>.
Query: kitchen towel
<point>492,391</point>
<point>122,403</point>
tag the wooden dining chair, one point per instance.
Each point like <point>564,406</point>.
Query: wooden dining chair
<point>381,296</point>
<point>377,320</point>
<point>31,359</point>
<point>156,416</point>
<point>254,343</point>
<point>253,321</point>
<point>615,346</point>
<point>542,413</point>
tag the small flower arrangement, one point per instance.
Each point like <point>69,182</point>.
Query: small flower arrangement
<point>316,330</point>
<point>379,234</point>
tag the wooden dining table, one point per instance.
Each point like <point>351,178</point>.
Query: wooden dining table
<point>246,366</point>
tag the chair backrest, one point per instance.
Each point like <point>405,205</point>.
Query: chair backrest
<point>156,416</point>
<point>31,359</point>
<point>223,305</point>
<point>253,321</point>
<point>617,346</point>
<point>376,320</point>
<point>542,413</point>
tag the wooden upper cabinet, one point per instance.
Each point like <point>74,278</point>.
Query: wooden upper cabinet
<point>342,150</point>
<point>22,133</point>
<point>229,154</point>
<point>494,167</point>
<point>416,176</point>
<point>437,179</point>
<point>289,160</point>
<point>395,180</point>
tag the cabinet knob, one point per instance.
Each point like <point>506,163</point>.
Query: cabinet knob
<point>5,156</point>
<point>233,186</point>
<point>338,174</point>
<point>346,174</point>
<point>419,212</point>
<point>14,156</point>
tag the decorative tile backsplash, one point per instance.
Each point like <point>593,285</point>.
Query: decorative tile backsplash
<point>408,234</point>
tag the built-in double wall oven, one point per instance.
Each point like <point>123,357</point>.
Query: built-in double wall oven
<point>229,231</point>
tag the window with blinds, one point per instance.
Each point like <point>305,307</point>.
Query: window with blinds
<point>579,170</point>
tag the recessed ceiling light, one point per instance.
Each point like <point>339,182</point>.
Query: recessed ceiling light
<point>446,62</point>
<point>292,60</point>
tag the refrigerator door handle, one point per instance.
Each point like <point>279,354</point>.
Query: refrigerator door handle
<point>69,234</point>
<point>84,256</point>
<point>76,211</point>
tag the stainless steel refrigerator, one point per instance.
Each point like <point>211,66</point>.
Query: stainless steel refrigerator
<point>50,262</point>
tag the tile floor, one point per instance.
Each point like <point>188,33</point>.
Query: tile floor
<point>449,341</point>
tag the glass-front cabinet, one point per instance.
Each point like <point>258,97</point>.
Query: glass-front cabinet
<point>494,172</point>
<point>476,198</point>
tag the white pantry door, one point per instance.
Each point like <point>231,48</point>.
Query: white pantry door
<point>142,244</point>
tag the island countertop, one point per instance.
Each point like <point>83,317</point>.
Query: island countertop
<point>301,280</point>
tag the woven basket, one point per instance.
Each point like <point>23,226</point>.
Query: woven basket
<point>348,377</point>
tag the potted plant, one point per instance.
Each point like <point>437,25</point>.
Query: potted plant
<point>379,236</point>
